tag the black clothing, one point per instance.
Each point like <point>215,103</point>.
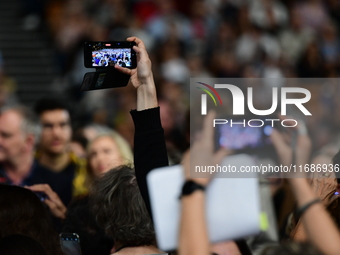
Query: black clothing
<point>37,175</point>
<point>149,147</point>
<point>150,153</point>
<point>62,182</point>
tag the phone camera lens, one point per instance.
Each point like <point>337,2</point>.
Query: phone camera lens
<point>118,43</point>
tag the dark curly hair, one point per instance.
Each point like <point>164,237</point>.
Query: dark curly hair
<point>23,213</point>
<point>20,244</point>
<point>116,201</point>
<point>80,220</point>
<point>51,103</point>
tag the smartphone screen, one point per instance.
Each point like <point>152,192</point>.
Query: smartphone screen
<point>109,57</point>
<point>70,243</point>
<point>109,54</point>
<point>240,138</point>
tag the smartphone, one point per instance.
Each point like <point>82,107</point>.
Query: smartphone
<point>240,138</point>
<point>41,195</point>
<point>104,79</point>
<point>70,243</point>
<point>108,54</point>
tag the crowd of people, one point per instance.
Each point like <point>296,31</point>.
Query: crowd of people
<point>111,57</point>
<point>49,185</point>
<point>193,39</point>
<point>201,39</point>
<point>77,162</point>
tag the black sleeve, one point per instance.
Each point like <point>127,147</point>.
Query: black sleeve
<point>149,147</point>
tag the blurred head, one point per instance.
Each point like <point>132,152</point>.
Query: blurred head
<point>20,244</point>
<point>120,209</point>
<point>104,155</point>
<point>22,212</point>
<point>93,239</point>
<point>19,131</point>
<point>107,151</point>
<point>56,126</point>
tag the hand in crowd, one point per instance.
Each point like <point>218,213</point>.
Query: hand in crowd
<point>57,208</point>
<point>141,77</point>
<point>296,137</point>
<point>315,223</point>
<point>323,187</point>
<point>324,183</point>
<point>202,153</point>
<point>141,74</point>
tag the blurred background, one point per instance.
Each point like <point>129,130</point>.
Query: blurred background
<point>41,46</point>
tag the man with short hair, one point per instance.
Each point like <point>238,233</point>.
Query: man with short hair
<point>67,171</point>
<point>19,131</point>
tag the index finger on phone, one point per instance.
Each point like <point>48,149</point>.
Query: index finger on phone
<point>141,53</point>
<point>123,69</point>
<point>138,41</point>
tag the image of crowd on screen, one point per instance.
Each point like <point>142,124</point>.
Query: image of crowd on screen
<point>111,57</point>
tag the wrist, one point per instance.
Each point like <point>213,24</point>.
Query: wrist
<point>146,90</point>
<point>302,190</point>
<point>189,187</point>
<point>197,197</point>
<point>147,84</point>
<point>146,95</point>
<point>302,209</point>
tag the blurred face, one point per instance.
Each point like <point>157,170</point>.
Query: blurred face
<point>12,138</point>
<point>104,155</point>
<point>56,131</point>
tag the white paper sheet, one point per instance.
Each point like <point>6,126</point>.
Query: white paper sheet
<point>233,206</point>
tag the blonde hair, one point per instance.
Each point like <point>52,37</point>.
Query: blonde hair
<point>122,145</point>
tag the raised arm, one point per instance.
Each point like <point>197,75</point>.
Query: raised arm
<point>149,142</point>
<point>194,237</point>
<point>317,223</point>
